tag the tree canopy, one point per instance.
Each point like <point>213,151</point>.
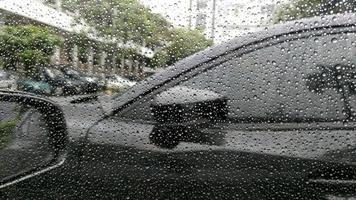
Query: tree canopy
<point>298,9</point>
<point>130,21</point>
<point>182,43</point>
<point>125,20</point>
<point>27,45</point>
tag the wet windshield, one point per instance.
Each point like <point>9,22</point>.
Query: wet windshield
<point>180,99</point>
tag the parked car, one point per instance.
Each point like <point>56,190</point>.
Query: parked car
<point>7,80</point>
<point>89,84</point>
<point>118,83</point>
<point>266,116</point>
<point>100,80</point>
<point>62,84</point>
<point>34,85</point>
<point>132,78</point>
<point>50,81</point>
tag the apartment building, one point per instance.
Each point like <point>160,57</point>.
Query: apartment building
<point>50,13</point>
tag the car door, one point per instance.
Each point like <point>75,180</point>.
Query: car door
<point>289,131</point>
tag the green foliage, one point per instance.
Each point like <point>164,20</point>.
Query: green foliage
<point>126,20</point>
<point>84,44</point>
<point>6,130</point>
<point>130,21</point>
<point>160,59</point>
<point>182,43</point>
<point>298,9</point>
<point>27,45</point>
<point>127,53</point>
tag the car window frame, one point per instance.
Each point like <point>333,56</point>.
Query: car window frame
<point>224,57</point>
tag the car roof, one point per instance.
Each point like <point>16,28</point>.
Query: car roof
<point>215,51</point>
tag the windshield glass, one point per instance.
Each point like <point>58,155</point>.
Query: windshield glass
<point>183,99</point>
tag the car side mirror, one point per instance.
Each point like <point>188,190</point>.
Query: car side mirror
<point>33,137</point>
<point>180,112</point>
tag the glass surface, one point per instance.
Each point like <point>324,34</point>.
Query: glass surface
<point>280,83</point>
<point>181,99</point>
<point>24,140</point>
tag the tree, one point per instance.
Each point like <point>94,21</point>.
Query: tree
<point>26,45</point>
<point>129,21</point>
<point>125,20</point>
<point>298,9</point>
<point>182,43</point>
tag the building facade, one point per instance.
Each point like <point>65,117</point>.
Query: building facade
<point>50,13</point>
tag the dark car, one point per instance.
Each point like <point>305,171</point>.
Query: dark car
<point>49,81</point>
<point>133,78</point>
<point>34,86</point>
<point>89,84</point>
<point>62,84</point>
<point>268,116</point>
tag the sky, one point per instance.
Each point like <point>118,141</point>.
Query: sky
<point>247,14</point>
<point>168,8</point>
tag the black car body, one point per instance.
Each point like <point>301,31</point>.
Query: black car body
<point>49,81</point>
<point>61,84</point>
<point>201,130</point>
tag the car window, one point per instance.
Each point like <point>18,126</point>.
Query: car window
<point>280,83</point>
<point>294,81</point>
